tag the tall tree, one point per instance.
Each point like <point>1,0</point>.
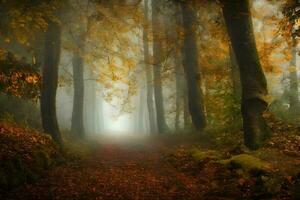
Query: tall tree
<point>294,92</point>
<point>50,80</point>
<point>157,59</point>
<point>235,75</point>
<point>254,85</point>
<point>149,75</point>
<point>179,73</point>
<point>77,126</point>
<point>191,68</point>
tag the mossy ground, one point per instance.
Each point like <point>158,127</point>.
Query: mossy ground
<point>232,171</point>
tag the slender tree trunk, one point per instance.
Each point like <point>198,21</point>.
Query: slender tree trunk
<point>50,80</point>
<point>186,113</point>
<point>157,50</point>
<point>254,85</point>
<point>293,94</point>
<point>191,68</point>
<point>77,127</point>
<point>140,127</point>
<point>179,73</point>
<point>90,106</point>
<point>178,95</point>
<point>99,114</point>
<point>235,75</point>
<point>149,75</point>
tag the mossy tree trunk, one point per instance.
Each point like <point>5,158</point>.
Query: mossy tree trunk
<point>254,85</point>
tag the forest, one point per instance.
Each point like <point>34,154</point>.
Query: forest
<point>149,100</point>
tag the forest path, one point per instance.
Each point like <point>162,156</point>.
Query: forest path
<point>133,169</point>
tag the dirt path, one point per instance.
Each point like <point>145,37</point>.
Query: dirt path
<point>117,171</point>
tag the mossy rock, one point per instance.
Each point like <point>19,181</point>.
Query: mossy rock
<point>247,163</point>
<point>201,156</point>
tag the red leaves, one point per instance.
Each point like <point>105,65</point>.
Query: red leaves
<point>23,142</point>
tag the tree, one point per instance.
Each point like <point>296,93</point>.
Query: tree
<point>191,68</point>
<point>149,75</point>
<point>294,92</point>
<point>254,85</point>
<point>157,59</point>
<point>235,75</point>
<point>77,126</point>
<point>50,80</point>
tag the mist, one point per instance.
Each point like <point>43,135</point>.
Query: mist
<point>149,99</point>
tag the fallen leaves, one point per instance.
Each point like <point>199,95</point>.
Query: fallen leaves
<point>23,142</point>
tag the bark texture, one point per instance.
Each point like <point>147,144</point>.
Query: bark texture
<point>235,75</point>
<point>254,85</point>
<point>77,127</point>
<point>293,93</point>
<point>50,80</point>
<point>157,59</point>
<point>149,74</point>
<point>191,68</point>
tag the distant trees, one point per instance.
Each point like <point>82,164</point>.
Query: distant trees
<point>254,86</point>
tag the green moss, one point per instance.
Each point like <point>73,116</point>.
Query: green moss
<point>247,163</point>
<point>201,155</point>
<point>43,160</point>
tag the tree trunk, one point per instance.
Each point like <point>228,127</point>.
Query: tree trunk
<point>149,75</point>
<point>141,122</point>
<point>254,85</point>
<point>77,127</point>
<point>50,80</point>
<point>178,95</point>
<point>179,73</point>
<point>157,50</point>
<point>293,94</point>
<point>235,75</point>
<point>191,68</point>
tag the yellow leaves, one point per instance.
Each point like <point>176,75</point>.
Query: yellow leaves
<point>2,54</point>
<point>292,68</point>
<point>7,40</point>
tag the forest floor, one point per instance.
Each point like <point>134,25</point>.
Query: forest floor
<point>176,168</point>
<point>117,170</point>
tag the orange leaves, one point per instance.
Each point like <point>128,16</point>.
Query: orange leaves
<point>18,78</point>
<point>16,140</point>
